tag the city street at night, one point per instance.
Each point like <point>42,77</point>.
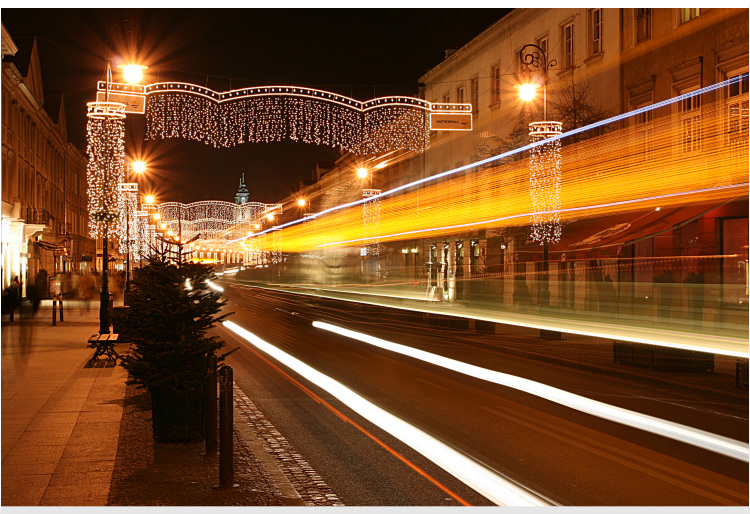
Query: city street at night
<point>375,257</point>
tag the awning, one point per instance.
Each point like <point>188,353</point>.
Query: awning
<point>611,233</point>
<point>52,247</point>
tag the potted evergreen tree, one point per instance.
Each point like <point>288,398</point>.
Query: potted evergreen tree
<point>171,311</point>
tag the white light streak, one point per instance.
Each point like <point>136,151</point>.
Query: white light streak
<point>485,481</point>
<point>712,442</point>
<point>214,286</point>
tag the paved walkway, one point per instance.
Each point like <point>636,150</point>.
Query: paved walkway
<point>60,419</point>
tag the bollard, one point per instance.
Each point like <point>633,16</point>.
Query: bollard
<point>61,307</point>
<point>226,422</point>
<point>211,421</point>
<point>54,310</point>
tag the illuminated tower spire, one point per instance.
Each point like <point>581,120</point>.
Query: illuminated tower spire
<point>242,193</point>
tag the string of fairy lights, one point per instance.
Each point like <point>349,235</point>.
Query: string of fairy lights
<point>371,222</point>
<point>105,131</point>
<point>265,119</point>
<point>215,222</point>
<point>544,182</point>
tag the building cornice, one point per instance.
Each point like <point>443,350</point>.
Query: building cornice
<point>516,18</point>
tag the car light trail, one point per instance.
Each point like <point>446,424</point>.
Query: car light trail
<point>438,176</point>
<point>214,286</point>
<point>712,343</point>
<point>485,481</point>
<point>719,444</point>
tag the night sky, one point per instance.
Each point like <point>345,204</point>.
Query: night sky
<point>356,52</point>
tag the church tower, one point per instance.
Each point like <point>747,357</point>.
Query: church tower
<point>242,193</point>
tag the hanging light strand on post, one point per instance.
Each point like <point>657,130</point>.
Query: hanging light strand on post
<point>105,131</point>
<point>544,182</point>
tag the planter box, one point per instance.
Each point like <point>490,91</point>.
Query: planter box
<point>178,416</point>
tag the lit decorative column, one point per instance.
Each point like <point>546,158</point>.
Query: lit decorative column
<point>544,182</point>
<point>544,164</point>
<point>105,132</point>
<point>371,222</point>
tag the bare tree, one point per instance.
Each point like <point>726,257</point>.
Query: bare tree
<point>575,110</point>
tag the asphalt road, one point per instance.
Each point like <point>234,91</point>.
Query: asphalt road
<point>564,456</point>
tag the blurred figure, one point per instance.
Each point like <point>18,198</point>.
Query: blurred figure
<point>33,295</point>
<point>86,289</point>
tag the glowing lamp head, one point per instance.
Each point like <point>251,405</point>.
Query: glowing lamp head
<point>157,216</point>
<point>362,172</point>
<point>139,167</point>
<point>149,199</point>
<point>527,91</point>
<point>270,216</point>
<point>169,233</point>
<point>133,73</point>
<point>301,202</point>
<point>257,227</point>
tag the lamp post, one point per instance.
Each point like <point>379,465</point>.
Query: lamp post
<point>544,163</point>
<point>106,144</point>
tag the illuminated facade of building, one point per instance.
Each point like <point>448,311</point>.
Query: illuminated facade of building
<point>44,215</point>
<point>608,63</point>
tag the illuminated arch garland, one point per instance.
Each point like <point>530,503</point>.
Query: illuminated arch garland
<point>275,113</point>
<point>215,221</point>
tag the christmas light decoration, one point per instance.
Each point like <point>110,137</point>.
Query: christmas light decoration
<point>214,222</point>
<point>274,113</point>
<point>128,224</point>
<point>544,181</point>
<point>105,132</point>
<point>371,221</point>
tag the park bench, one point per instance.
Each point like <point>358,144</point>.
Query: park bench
<point>105,345</point>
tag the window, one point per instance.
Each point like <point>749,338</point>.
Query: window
<point>447,98</point>
<point>495,77</point>
<point>568,45</point>
<point>595,22</point>
<point>475,96</point>
<point>460,94</point>
<point>543,44</point>
<point>689,13</point>
<point>690,119</point>
<point>643,24</point>
<point>643,135</point>
<point>737,111</point>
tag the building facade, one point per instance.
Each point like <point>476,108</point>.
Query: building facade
<point>44,216</point>
<point>607,64</point>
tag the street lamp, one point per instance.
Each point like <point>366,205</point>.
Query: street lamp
<point>544,163</point>
<point>132,73</point>
<point>534,56</point>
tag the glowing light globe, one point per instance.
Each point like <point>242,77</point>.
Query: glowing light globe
<point>527,91</point>
<point>133,73</point>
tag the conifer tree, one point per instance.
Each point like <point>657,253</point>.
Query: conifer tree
<point>171,311</point>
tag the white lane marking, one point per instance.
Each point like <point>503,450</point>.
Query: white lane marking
<point>716,443</point>
<point>482,479</point>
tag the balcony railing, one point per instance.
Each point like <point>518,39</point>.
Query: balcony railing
<point>37,216</point>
